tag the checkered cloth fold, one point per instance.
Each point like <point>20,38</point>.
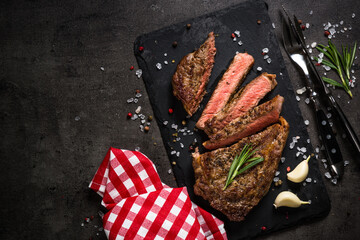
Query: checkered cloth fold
<point>142,207</point>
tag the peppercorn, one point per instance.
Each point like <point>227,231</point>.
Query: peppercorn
<point>183,122</point>
<point>263,228</point>
<point>174,44</point>
<point>141,48</point>
<point>233,35</point>
<point>258,22</point>
<point>326,33</point>
<point>317,64</point>
<point>150,118</point>
<point>303,27</point>
<point>129,115</point>
<point>300,21</point>
<point>146,128</point>
<point>132,68</point>
<point>137,91</point>
<point>188,26</point>
<point>171,110</point>
<point>288,169</point>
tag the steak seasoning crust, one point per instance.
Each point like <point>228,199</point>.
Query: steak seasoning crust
<point>192,75</point>
<point>247,189</point>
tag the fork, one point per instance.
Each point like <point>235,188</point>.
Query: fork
<point>298,56</point>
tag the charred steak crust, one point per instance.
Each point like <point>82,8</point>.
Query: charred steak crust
<point>244,100</point>
<point>245,192</point>
<point>228,84</point>
<point>192,75</point>
<point>255,120</point>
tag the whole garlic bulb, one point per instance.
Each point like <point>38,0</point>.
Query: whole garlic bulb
<point>300,172</point>
<point>288,199</point>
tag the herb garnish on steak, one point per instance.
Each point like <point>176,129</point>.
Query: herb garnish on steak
<point>245,192</point>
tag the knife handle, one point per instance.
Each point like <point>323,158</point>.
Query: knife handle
<point>345,124</point>
<point>332,148</point>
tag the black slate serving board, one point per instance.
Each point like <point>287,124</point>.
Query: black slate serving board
<point>157,48</point>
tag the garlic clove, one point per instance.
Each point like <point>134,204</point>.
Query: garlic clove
<point>300,172</point>
<point>288,199</point>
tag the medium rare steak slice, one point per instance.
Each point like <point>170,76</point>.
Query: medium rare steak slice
<point>232,78</point>
<point>247,189</point>
<point>244,100</point>
<point>250,123</point>
<point>192,75</point>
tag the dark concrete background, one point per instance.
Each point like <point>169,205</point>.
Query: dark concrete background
<point>59,112</point>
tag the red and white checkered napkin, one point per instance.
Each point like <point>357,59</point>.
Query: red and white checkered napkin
<point>142,207</point>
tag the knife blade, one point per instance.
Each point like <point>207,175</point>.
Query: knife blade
<point>332,149</point>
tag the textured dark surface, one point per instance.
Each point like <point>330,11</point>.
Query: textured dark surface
<point>51,55</point>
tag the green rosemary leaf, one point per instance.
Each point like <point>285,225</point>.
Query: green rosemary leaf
<point>240,160</point>
<point>333,82</point>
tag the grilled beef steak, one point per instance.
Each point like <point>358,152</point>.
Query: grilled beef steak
<point>255,120</point>
<point>232,78</point>
<point>247,189</point>
<point>244,100</point>
<point>192,75</point>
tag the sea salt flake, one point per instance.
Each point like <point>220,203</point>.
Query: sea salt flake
<point>234,39</point>
<point>307,25</point>
<point>259,69</point>
<point>268,60</point>
<point>138,109</point>
<point>327,26</point>
<point>240,43</point>
<point>266,56</point>
<point>308,180</point>
<point>327,68</point>
<point>265,50</point>
<point>159,66</point>
<point>303,149</point>
<point>130,100</point>
<point>321,55</point>
<point>334,181</point>
<point>134,117</point>
<point>301,90</point>
<point>237,33</point>
<point>165,123</point>
<point>174,126</point>
<point>138,73</point>
<point>136,100</point>
<point>332,31</point>
<point>328,175</point>
<point>143,121</point>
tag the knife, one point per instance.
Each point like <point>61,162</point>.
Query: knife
<point>328,138</point>
<point>335,108</point>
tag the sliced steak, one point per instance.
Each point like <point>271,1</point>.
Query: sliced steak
<point>192,75</point>
<point>244,100</point>
<point>245,192</point>
<point>232,78</point>
<point>250,123</point>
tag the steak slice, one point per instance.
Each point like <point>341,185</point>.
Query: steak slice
<point>232,78</point>
<point>250,123</point>
<point>244,100</point>
<point>192,75</point>
<point>247,189</point>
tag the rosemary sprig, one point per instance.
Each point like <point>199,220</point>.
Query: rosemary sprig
<point>243,158</point>
<point>338,62</point>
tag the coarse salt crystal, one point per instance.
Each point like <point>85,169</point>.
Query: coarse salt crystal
<point>137,149</point>
<point>169,171</point>
<point>353,15</point>
<point>178,154</point>
<point>134,117</point>
<point>332,31</point>
<point>307,25</point>
<point>265,50</point>
<point>306,122</point>
<point>311,12</point>
<point>166,62</point>
<point>138,109</point>
<point>307,100</point>
<point>276,179</point>
<point>282,159</point>
<point>165,54</point>
<point>173,152</point>
<point>136,100</point>
<point>159,66</point>
<point>181,145</point>
<point>325,165</point>
<point>310,50</point>
<point>266,56</point>
<point>268,60</point>
<point>259,69</point>
<point>297,154</point>
<point>240,43</point>
<point>143,121</point>
<point>328,175</point>
<point>102,68</point>
<point>237,33</point>
<point>138,73</point>
<point>303,149</point>
<point>334,181</point>
<point>317,149</point>
<point>165,123</point>
<point>346,162</point>
<point>301,90</point>
<point>277,173</point>
<point>273,25</point>
<point>292,145</point>
<point>308,180</point>
<point>297,98</point>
